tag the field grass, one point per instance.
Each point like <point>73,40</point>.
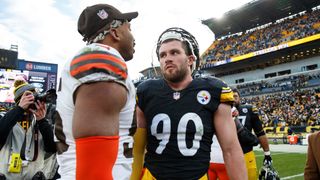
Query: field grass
<point>287,164</point>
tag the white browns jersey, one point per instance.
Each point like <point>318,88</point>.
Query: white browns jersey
<point>216,155</point>
<point>94,63</point>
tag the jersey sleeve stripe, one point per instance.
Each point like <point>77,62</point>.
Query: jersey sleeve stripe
<point>92,63</point>
<point>226,90</point>
<point>98,55</point>
<point>226,95</point>
<point>99,67</point>
<point>254,109</point>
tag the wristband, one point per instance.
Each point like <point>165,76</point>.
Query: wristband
<point>267,153</point>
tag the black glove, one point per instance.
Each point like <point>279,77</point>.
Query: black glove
<point>267,161</point>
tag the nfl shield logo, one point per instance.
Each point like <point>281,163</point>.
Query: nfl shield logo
<point>102,14</point>
<point>176,95</point>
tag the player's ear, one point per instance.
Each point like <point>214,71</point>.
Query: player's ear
<point>114,34</point>
<point>191,59</point>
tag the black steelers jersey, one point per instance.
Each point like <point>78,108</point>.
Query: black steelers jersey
<point>249,117</point>
<point>180,125</point>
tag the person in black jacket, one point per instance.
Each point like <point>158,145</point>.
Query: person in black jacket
<point>26,136</point>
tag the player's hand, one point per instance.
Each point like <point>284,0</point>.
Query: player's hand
<point>267,161</point>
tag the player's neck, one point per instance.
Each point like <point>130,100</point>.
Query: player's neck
<point>178,86</point>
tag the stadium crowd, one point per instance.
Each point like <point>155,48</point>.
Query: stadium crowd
<point>270,35</point>
<point>4,106</point>
<point>286,83</point>
<point>290,108</point>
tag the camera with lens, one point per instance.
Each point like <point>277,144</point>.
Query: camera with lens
<point>49,96</point>
<point>39,176</point>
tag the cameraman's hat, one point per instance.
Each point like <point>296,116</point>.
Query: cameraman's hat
<point>94,19</point>
<point>20,87</point>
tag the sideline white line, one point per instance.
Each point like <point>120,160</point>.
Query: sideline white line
<point>290,177</point>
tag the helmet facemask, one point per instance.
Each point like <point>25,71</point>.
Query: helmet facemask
<point>268,173</point>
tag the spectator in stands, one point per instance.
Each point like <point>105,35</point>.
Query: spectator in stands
<point>26,137</point>
<point>275,122</point>
<point>248,116</point>
<point>312,169</point>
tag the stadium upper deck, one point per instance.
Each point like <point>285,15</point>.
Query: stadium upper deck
<point>270,38</point>
<point>287,45</point>
<point>257,13</point>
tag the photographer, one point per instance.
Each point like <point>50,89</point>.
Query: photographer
<point>26,137</point>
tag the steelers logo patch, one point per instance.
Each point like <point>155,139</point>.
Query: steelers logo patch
<point>244,110</point>
<point>203,97</point>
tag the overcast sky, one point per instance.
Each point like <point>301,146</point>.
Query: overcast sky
<point>46,30</point>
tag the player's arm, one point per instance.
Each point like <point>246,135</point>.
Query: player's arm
<point>96,128</point>
<point>227,137</point>
<point>265,146</point>
<point>258,129</point>
<point>263,139</point>
<point>264,143</point>
<point>244,135</point>
<point>140,140</point>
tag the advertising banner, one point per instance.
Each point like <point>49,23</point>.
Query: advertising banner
<point>42,75</point>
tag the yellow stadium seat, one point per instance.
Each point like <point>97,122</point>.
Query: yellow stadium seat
<point>312,128</point>
<point>283,130</point>
<point>268,129</point>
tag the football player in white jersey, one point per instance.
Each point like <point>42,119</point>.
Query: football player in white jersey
<point>96,99</point>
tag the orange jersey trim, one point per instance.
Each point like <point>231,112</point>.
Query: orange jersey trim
<point>107,67</point>
<point>107,57</point>
<point>90,63</point>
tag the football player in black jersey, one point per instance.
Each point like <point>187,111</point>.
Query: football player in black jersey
<point>248,116</point>
<point>178,115</point>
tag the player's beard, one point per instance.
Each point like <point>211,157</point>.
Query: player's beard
<point>236,103</point>
<point>176,75</point>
